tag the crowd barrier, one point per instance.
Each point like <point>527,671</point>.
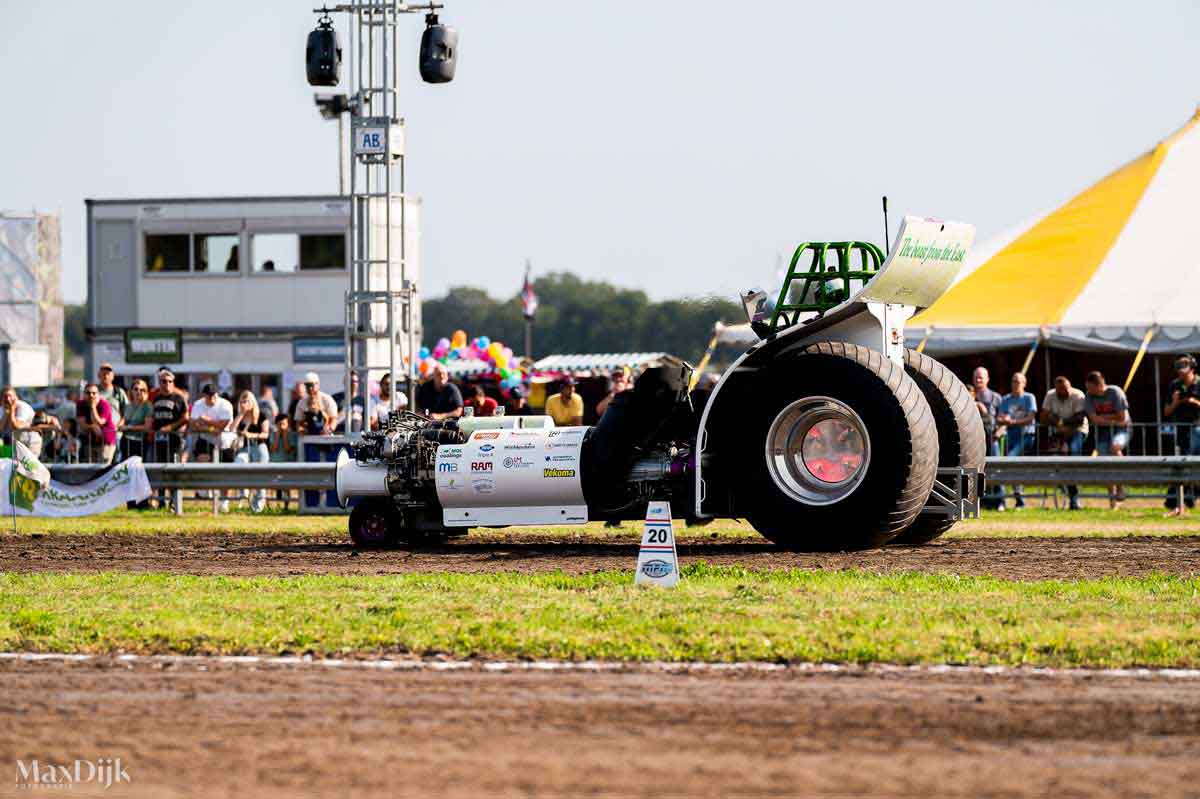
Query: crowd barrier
<point>1166,471</point>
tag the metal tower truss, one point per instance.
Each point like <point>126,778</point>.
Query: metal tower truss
<point>383,307</point>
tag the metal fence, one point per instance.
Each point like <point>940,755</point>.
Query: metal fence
<point>1145,438</point>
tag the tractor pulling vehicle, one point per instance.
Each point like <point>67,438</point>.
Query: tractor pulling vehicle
<point>826,434</point>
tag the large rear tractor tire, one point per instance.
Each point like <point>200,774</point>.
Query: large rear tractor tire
<point>842,454</point>
<point>961,440</point>
<point>374,522</point>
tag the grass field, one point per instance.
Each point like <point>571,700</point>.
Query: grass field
<point>716,614</point>
<point>1090,522</point>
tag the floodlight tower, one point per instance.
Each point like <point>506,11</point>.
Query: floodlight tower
<point>383,312</point>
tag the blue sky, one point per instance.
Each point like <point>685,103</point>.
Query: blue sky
<point>675,147</point>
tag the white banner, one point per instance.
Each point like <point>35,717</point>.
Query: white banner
<point>125,482</point>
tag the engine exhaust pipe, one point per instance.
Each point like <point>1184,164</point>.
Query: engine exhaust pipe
<point>353,479</point>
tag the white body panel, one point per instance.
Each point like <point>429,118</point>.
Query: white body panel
<point>512,477</point>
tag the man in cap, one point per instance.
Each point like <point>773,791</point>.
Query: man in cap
<point>566,407</point>
<point>316,413</point>
<point>211,415</point>
<point>118,400</point>
<point>518,404</point>
<point>170,417</point>
<point>1183,408</point>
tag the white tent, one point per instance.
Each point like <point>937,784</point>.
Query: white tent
<point>1115,268</point>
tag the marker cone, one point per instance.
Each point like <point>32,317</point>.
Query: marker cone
<point>657,563</point>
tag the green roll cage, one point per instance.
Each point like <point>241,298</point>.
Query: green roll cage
<point>821,283</point>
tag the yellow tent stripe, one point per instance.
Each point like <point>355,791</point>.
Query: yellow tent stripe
<point>1036,278</point>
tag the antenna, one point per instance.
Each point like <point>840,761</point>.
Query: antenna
<point>887,237</point>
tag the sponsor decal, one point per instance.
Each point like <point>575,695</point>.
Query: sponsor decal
<point>656,568</point>
<point>524,433</point>
<point>487,448</point>
<point>450,452</point>
<point>563,445</point>
<point>481,466</point>
<point>510,447</point>
<point>930,252</point>
<point>447,467</point>
<point>485,435</point>
<point>517,462</point>
<point>576,519</point>
<point>559,458</point>
<point>558,472</point>
<point>452,485</point>
<point>483,485</point>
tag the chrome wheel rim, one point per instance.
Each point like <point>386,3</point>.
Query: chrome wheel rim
<point>818,450</point>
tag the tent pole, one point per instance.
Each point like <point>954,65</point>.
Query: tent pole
<point>1046,358</point>
<point>1158,406</point>
<point>1029,357</point>
<point>1137,359</point>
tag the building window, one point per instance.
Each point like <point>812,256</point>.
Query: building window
<point>167,253</point>
<point>291,252</point>
<point>323,251</point>
<point>215,252</point>
<point>275,252</point>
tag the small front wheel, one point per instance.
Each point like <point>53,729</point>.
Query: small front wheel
<point>375,523</point>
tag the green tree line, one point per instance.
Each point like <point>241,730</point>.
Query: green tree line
<point>581,316</point>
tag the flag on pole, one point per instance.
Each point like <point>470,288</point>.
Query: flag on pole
<point>529,300</point>
<point>27,479</point>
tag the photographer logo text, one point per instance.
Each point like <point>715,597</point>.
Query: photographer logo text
<point>103,772</point>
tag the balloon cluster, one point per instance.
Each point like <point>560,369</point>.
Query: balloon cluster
<point>482,348</point>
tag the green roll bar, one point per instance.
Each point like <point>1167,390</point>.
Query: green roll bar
<point>823,288</point>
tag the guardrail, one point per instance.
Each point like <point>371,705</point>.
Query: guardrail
<point>170,476</point>
<point>1059,469</point>
<point>1040,470</point>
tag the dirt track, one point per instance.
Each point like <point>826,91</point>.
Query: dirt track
<point>233,731</point>
<point>1017,558</point>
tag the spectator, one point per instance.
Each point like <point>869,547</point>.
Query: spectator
<point>170,417</point>
<point>137,422</point>
<point>1064,411</point>
<point>175,387</point>
<point>566,407</point>
<point>987,402</point>
<point>518,404</point>
<point>357,406</point>
<point>316,413</point>
<point>1183,409</point>
<point>1018,413</point>
<point>283,440</point>
<point>49,428</point>
<point>253,429</point>
<point>618,383</point>
<point>267,404</point>
<point>16,421</point>
<point>385,405</point>
<point>212,415</point>
<point>118,400</point>
<point>294,401</point>
<point>97,429</point>
<point>437,397</point>
<point>480,403</point>
<point>1108,411</point>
